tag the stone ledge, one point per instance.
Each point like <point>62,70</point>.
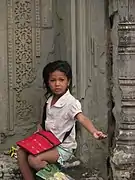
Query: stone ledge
<point>9,170</point>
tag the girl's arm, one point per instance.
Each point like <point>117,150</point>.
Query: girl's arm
<point>87,123</point>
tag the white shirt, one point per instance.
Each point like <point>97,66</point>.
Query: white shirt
<point>61,118</point>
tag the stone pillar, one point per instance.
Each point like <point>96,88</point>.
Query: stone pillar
<point>123,39</point>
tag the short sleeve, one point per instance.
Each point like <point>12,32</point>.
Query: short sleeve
<point>74,108</point>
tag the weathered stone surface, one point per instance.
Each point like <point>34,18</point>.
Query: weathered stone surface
<point>83,44</point>
<point>9,170</point>
<point>123,35</point>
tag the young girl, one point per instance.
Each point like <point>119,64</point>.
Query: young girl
<point>61,114</point>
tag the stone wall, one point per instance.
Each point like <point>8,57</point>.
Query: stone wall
<point>27,44</point>
<point>39,31</point>
<point>122,36</point>
<point>83,42</point>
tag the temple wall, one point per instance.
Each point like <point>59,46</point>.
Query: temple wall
<point>27,41</point>
<point>83,40</point>
<point>39,31</point>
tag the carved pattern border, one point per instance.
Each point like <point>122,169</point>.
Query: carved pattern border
<point>127,116</point>
<point>10,65</point>
<point>38,33</point>
<point>126,32</point>
<point>128,88</point>
<point>25,74</point>
<point>126,47</point>
<point>20,62</point>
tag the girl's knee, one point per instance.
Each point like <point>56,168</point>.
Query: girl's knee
<point>36,162</point>
<point>21,152</point>
<point>33,160</point>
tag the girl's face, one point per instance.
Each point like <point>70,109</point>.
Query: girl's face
<point>58,82</point>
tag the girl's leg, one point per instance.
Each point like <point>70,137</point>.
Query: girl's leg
<point>40,161</point>
<point>25,169</point>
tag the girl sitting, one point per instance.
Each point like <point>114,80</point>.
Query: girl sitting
<point>62,111</point>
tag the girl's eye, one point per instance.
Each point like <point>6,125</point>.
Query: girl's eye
<point>52,80</point>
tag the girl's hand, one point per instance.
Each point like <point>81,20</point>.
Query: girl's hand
<point>39,127</point>
<point>99,135</point>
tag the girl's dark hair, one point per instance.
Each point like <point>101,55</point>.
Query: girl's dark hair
<point>59,65</point>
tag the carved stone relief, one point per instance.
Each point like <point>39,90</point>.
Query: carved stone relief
<point>128,89</point>
<point>21,63</point>
<point>23,54</point>
<point>38,25</point>
<point>127,128</point>
<point>126,32</point>
<point>10,66</point>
